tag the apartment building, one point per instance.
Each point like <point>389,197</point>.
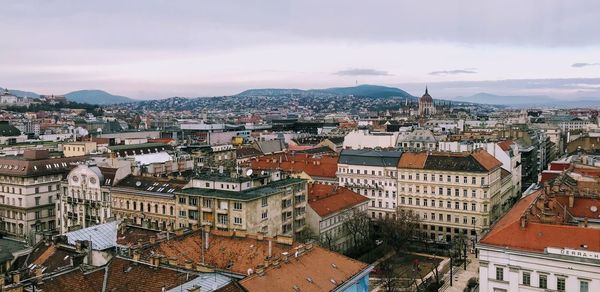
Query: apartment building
<point>452,193</point>
<point>78,148</point>
<point>29,188</point>
<point>269,203</point>
<point>330,208</point>
<point>85,199</point>
<point>549,241</point>
<point>148,202</point>
<point>373,174</point>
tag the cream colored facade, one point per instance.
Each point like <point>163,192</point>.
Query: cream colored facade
<point>277,207</point>
<point>148,209</point>
<point>78,148</point>
<point>449,202</point>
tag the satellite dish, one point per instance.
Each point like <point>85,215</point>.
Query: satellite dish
<point>138,183</point>
<point>249,172</point>
<point>594,209</point>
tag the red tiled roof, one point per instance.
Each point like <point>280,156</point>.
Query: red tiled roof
<point>413,160</point>
<point>327,199</point>
<point>231,253</point>
<point>323,166</point>
<point>582,207</point>
<point>486,160</point>
<point>317,269</point>
<point>123,275</point>
<point>536,236</point>
<point>505,145</point>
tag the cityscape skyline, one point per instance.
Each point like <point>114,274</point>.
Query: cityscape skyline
<point>155,50</point>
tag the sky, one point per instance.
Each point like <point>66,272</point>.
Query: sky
<point>154,49</point>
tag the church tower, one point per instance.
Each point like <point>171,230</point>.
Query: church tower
<point>426,107</point>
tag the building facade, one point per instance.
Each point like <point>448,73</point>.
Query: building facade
<point>29,189</point>
<point>452,193</point>
<point>267,203</point>
<point>372,174</point>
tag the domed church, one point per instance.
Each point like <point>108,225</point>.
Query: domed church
<point>426,107</point>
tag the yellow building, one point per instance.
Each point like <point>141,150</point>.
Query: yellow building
<point>79,148</point>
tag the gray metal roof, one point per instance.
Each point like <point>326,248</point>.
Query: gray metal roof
<point>207,282</point>
<point>369,157</point>
<point>103,236</point>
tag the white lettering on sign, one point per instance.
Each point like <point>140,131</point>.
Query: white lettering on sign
<point>574,253</point>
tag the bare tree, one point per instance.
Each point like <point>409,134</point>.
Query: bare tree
<point>358,228</point>
<point>388,279</point>
<point>397,230</point>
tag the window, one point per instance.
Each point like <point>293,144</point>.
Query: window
<point>543,281</point>
<point>264,202</point>
<point>584,286</point>
<point>499,273</point>
<point>526,278</point>
<point>237,206</point>
<point>237,221</point>
<point>182,213</point>
<point>560,284</point>
<point>264,215</point>
<point>182,200</point>
<point>37,201</point>
<point>473,180</point>
<point>473,208</point>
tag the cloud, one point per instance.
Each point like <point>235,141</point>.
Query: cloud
<point>454,72</point>
<point>362,72</point>
<point>581,65</point>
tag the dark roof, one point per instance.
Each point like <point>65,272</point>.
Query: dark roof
<point>477,161</point>
<point>336,140</point>
<point>52,257</point>
<point>369,157</point>
<point>247,195</point>
<point>19,166</point>
<point>153,185</point>
<point>7,130</point>
<point>138,149</point>
<point>121,275</point>
<point>317,150</point>
<point>244,152</point>
<point>453,163</point>
<point>8,247</point>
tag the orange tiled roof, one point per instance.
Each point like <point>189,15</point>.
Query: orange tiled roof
<point>536,235</point>
<point>224,252</point>
<point>505,145</point>
<point>316,269</point>
<point>328,199</point>
<point>323,166</point>
<point>486,160</point>
<point>413,160</point>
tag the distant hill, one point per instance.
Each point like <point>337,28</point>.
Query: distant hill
<point>375,91</point>
<point>21,93</point>
<point>488,98</point>
<point>96,97</point>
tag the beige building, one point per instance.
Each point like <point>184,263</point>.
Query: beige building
<point>452,193</point>
<point>29,188</point>
<point>79,148</point>
<point>148,202</point>
<point>266,203</point>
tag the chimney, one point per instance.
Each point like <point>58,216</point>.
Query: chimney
<point>140,242</point>
<point>152,239</point>
<point>523,222</point>
<point>189,265</point>
<point>136,255</point>
<point>284,256</point>
<point>585,222</point>
<point>270,248</point>
<point>39,271</point>
<point>16,277</point>
<point>260,270</point>
<point>173,261</point>
<point>78,246</point>
<point>571,200</point>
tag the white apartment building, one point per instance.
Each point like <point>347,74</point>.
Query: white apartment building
<point>452,193</point>
<point>86,199</point>
<point>372,174</point>
<point>539,245</point>
<point>362,139</point>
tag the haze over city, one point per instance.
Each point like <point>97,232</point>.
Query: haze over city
<point>153,49</point>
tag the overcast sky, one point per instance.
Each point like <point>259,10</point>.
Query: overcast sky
<point>154,49</point>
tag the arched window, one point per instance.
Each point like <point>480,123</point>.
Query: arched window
<point>164,211</point>
<point>127,205</point>
<point>134,205</point>
<point>155,208</point>
<point>171,210</point>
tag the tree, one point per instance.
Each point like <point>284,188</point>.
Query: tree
<point>388,278</point>
<point>396,231</point>
<point>358,228</point>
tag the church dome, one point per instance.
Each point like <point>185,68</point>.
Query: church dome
<point>426,97</point>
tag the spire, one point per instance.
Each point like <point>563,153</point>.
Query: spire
<point>426,91</point>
